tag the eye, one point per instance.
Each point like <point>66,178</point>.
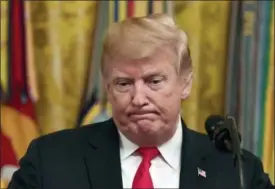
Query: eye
<point>122,85</point>
<point>155,82</point>
<point>122,81</point>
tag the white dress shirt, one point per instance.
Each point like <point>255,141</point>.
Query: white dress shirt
<point>164,170</point>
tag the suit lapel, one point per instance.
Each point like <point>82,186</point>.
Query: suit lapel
<point>194,170</point>
<point>102,158</point>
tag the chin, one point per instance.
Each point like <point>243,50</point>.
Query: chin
<point>140,128</point>
<point>142,122</point>
<point>146,134</point>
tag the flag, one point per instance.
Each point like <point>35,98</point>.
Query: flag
<point>262,75</point>
<point>247,65</point>
<point>18,123</point>
<point>268,139</point>
<point>201,173</point>
<point>93,108</point>
<point>8,161</point>
<point>232,73</point>
<point>251,52</point>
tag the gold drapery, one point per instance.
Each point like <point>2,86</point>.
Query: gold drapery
<point>62,39</point>
<point>207,32</point>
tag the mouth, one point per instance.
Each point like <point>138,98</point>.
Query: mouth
<point>143,115</point>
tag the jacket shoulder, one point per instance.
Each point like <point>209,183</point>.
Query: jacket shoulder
<point>201,138</point>
<point>73,135</point>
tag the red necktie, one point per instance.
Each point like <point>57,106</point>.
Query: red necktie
<point>142,178</point>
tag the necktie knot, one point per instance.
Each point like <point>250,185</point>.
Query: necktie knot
<point>148,153</point>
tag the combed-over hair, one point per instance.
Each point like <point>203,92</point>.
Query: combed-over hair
<point>139,37</point>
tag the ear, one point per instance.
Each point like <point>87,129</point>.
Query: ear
<point>106,87</point>
<point>104,82</point>
<point>187,86</point>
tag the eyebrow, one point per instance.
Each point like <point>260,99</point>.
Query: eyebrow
<point>145,76</point>
<point>125,78</point>
<point>152,74</point>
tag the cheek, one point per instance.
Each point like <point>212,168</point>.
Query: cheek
<point>119,101</point>
<point>172,101</point>
<point>167,100</point>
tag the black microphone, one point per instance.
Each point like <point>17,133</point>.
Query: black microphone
<point>225,136</point>
<point>219,133</point>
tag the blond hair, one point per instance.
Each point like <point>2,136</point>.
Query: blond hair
<point>140,37</point>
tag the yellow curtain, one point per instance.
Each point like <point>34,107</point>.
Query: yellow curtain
<point>207,32</point>
<point>62,35</point>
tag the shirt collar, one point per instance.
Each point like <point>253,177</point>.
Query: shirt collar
<point>127,148</point>
<point>170,151</point>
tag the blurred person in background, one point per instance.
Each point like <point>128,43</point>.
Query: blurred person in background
<point>147,71</point>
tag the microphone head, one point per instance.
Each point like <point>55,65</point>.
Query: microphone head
<point>218,134</point>
<point>212,123</point>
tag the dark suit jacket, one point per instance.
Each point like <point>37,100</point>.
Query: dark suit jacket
<point>88,158</point>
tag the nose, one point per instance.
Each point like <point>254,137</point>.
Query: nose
<point>139,97</point>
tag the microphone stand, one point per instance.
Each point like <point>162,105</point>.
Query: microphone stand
<point>231,125</point>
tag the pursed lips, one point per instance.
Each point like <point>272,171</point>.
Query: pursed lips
<point>143,115</point>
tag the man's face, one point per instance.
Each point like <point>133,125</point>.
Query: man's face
<point>145,96</point>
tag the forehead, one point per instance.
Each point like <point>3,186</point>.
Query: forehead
<point>157,63</point>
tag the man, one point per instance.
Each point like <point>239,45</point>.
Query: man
<point>147,71</point>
